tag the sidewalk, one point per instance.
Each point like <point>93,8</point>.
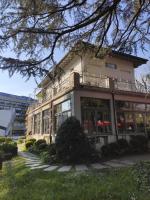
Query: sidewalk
<point>33,162</point>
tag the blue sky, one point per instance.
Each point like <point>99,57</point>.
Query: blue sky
<point>19,86</point>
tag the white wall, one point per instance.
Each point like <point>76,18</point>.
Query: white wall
<point>124,71</point>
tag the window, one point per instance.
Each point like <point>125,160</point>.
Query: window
<point>132,117</point>
<point>46,122</point>
<point>37,123</point>
<point>111,65</point>
<point>96,117</point>
<point>62,112</point>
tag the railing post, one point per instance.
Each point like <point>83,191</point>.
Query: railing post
<point>111,84</point>
<point>76,79</point>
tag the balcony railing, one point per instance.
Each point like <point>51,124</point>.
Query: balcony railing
<point>131,86</point>
<point>94,80</point>
<point>74,80</point>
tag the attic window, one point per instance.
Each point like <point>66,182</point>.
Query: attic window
<point>111,65</point>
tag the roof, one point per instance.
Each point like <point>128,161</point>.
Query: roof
<point>137,61</point>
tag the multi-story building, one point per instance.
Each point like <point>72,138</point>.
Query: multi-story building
<point>16,107</point>
<point>99,91</point>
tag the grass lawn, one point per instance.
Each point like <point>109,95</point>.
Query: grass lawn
<point>18,182</point>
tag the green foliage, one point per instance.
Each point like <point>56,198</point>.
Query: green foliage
<point>39,142</point>
<point>37,28</point>
<point>45,156</point>
<point>139,144</point>
<point>142,174</point>
<point>18,182</point>
<point>30,142</point>
<point>5,139</point>
<point>9,150</point>
<point>42,146</point>
<point>72,145</point>
<point>52,149</point>
<point>20,141</point>
<point>119,148</point>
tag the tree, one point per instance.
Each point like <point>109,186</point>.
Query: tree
<point>35,29</point>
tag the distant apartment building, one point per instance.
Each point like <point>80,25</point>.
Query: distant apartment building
<point>12,114</point>
<point>99,91</point>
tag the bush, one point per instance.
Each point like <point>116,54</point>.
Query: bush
<point>72,146</point>
<point>42,146</point>
<point>110,150</point>
<point>28,144</point>
<point>20,141</point>
<point>45,156</point>
<point>5,139</point>
<point>9,148</point>
<point>52,149</point>
<point>124,147</point>
<point>119,148</point>
<point>2,139</point>
<point>39,142</point>
<point>138,144</point>
<point>1,159</point>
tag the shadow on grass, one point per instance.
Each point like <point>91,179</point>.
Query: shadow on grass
<point>20,183</point>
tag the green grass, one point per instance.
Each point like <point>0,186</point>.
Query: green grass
<point>18,182</point>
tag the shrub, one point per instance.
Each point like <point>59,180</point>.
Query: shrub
<point>45,156</point>
<point>119,148</point>
<point>1,159</point>
<point>72,145</point>
<point>39,142</point>
<point>8,156</point>
<point>5,139</point>
<point>32,140</point>
<point>20,141</point>
<point>28,144</point>
<point>10,148</point>
<point>123,146</point>
<point>52,149</point>
<point>42,146</point>
<point>2,139</point>
<point>110,150</point>
<point>138,144</point>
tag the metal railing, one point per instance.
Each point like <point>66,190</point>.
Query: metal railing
<point>130,86</point>
<point>94,80</point>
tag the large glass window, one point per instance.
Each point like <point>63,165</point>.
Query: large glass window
<point>62,112</point>
<point>132,117</point>
<point>37,123</point>
<point>46,121</point>
<point>96,116</point>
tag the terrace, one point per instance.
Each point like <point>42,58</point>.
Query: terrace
<point>76,80</point>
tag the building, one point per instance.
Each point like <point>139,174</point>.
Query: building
<point>12,114</point>
<point>7,118</point>
<point>99,91</point>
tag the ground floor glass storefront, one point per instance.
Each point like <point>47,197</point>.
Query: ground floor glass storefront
<point>96,116</point>
<point>132,117</point>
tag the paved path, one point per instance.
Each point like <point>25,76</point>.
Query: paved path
<point>33,162</point>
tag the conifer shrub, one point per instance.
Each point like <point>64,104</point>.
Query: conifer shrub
<point>72,145</point>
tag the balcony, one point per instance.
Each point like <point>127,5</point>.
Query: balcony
<point>75,80</point>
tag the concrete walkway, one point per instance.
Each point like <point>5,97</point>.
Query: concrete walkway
<point>33,162</point>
